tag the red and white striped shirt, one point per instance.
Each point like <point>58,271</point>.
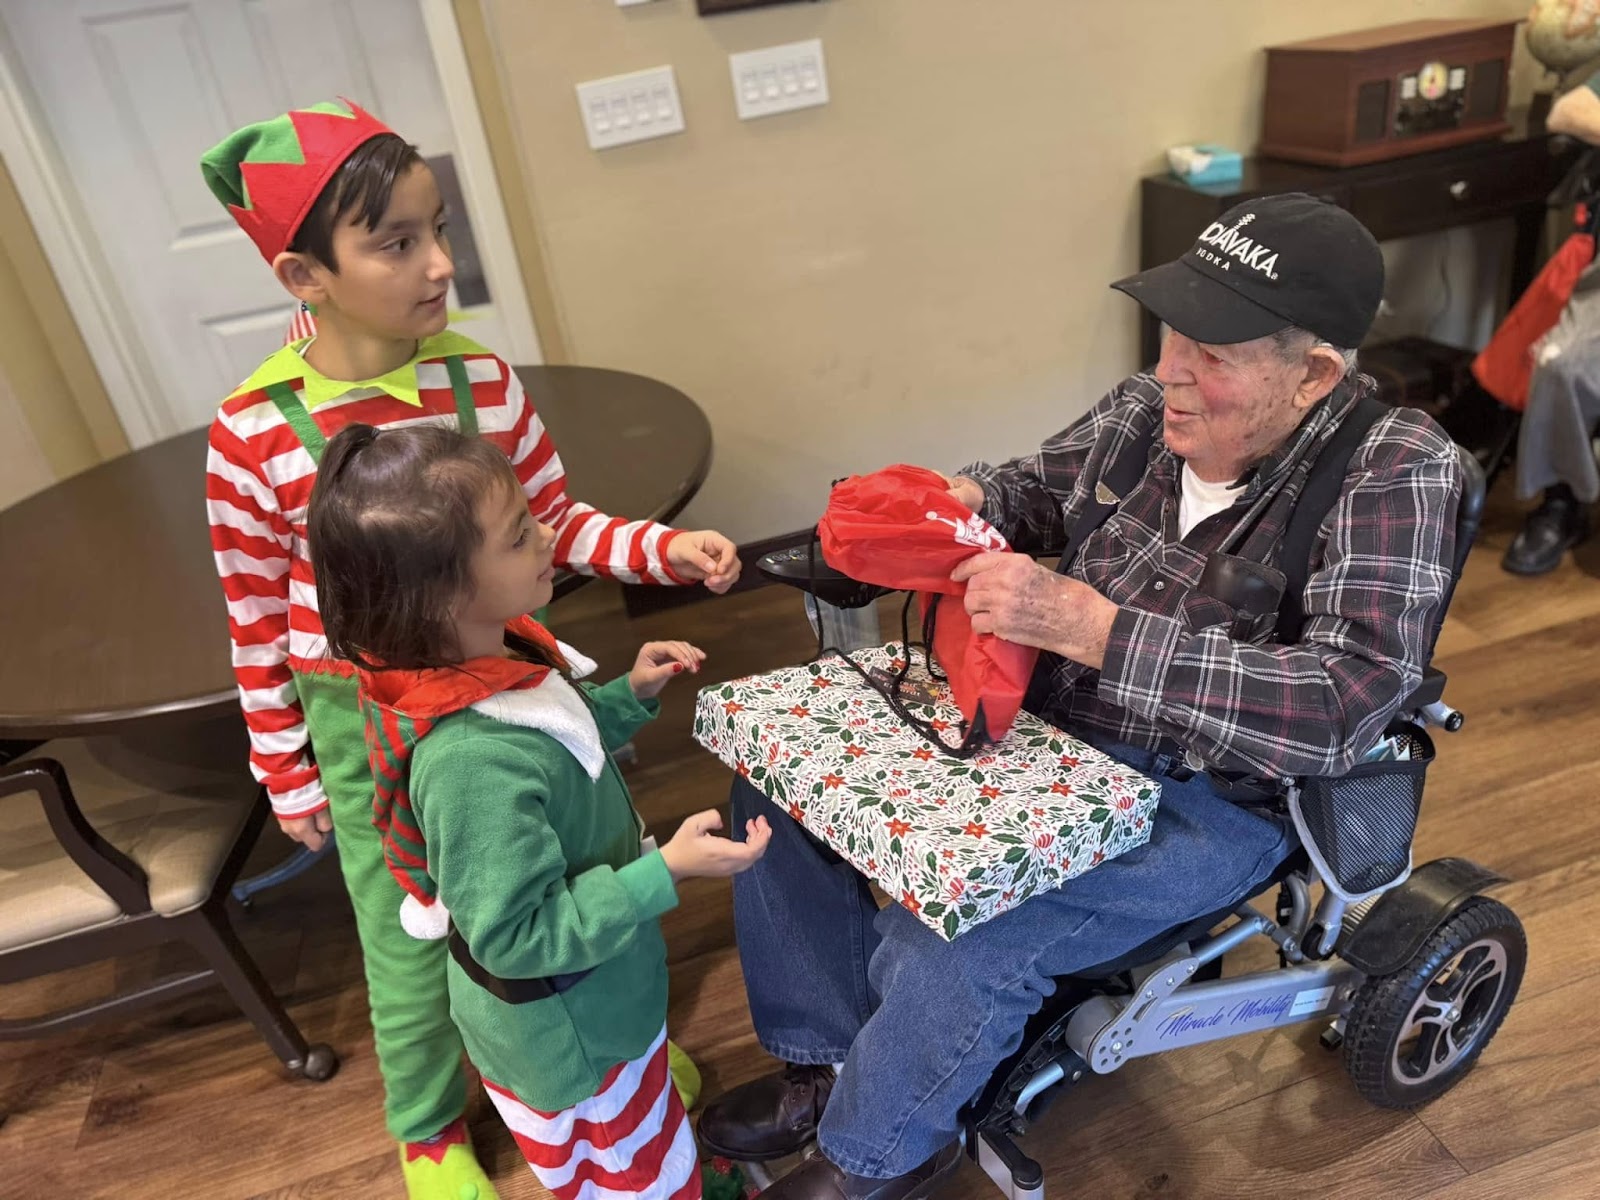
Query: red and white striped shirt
<point>258,486</point>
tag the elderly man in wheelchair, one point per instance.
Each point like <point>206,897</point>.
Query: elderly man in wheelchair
<point>1254,559</point>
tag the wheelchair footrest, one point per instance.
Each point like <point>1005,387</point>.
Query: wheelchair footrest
<point>1013,1172</point>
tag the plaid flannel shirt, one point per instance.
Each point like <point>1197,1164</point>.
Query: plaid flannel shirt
<point>1174,677</point>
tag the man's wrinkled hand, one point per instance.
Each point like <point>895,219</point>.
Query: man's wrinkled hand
<point>1017,599</point>
<point>967,491</point>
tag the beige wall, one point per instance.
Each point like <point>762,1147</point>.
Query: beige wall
<point>23,468</point>
<point>918,270</point>
<point>55,416</point>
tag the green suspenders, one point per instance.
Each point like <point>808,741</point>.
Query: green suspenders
<point>311,437</point>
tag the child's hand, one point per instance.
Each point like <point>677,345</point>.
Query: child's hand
<point>659,662</point>
<point>705,555</point>
<point>310,831</point>
<point>696,850</point>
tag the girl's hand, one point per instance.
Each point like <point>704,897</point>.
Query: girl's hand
<point>659,662</point>
<point>696,850</point>
<point>705,555</point>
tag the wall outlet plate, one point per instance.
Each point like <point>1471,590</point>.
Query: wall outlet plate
<point>630,108</point>
<point>779,79</point>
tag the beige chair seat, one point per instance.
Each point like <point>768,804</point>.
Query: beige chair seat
<point>175,803</point>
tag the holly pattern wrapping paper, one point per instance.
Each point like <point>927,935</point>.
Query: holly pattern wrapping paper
<point>955,841</point>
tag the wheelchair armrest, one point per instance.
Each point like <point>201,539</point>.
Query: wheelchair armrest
<point>112,871</point>
<point>1429,691</point>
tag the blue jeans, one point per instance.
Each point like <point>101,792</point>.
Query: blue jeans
<point>920,1023</point>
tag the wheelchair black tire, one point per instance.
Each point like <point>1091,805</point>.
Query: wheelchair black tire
<point>1382,1060</point>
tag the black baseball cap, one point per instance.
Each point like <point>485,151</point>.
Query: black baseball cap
<point>1265,265</point>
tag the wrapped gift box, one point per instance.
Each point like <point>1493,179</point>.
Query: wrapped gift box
<point>954,841</point>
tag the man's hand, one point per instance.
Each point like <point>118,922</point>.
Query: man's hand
<point>968,491</point>
<point>1013,597</point>
<point>705,555</point>
<point>310,831</point>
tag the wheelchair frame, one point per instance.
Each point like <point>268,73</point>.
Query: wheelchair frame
<point>1170,1002</point>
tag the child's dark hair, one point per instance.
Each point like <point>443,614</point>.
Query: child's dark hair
<point>392,528</point>
<point>361,186</point>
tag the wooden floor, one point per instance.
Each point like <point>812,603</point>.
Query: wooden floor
<point>187,1102</point>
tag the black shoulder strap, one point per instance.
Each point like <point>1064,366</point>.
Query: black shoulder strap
<point>1115,482</point>
<point>1324,483</point>
<point>1321,492</point>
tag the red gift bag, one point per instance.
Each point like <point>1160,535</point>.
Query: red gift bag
<point>899,528</point>
<point>1504,367</point>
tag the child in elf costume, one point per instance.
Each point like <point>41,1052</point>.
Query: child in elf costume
<point>350,220</point>
<point>503,816</point>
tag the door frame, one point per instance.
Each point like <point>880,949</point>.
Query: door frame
<point>108,327</point>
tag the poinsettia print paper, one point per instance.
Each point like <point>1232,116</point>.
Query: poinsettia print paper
<point>955,841</point>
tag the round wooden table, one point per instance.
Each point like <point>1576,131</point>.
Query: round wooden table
<point>109,601</point>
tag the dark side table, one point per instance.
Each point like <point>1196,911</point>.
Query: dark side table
<point>1511,176</point>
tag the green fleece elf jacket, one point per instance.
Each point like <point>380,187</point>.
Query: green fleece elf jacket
<point>505,816</point>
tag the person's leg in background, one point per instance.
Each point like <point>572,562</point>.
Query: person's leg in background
<point>1555,457</point>
<point>419,1050</point>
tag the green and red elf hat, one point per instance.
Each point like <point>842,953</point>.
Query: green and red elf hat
<point>269,174</point>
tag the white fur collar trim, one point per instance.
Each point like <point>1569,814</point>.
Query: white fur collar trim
<point>556,708</point>
<point>582,665</point>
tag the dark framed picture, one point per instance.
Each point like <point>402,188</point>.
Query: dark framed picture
<point>712,7</point>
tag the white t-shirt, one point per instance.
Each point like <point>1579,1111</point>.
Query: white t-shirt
<point>1198,499</point>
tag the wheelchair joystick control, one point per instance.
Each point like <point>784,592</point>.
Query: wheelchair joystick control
<point>840,608</point>
<point>802,567</point>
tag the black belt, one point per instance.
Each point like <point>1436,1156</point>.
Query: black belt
<point>512,991</point>
<point>1251,791</point>
<point>1240,787</point>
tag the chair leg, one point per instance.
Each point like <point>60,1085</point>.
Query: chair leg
<point>210,932</point>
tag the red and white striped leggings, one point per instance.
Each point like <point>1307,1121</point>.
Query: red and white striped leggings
<point>630,1139</point>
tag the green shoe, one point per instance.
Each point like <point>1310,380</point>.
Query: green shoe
<point>445,1168</point>
<point>685,1075</point>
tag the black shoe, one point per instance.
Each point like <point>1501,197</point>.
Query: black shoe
<point>767,1118</point>
<point>1559,523</point>
<point>819,1179</point>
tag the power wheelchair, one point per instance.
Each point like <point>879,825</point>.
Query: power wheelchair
<point>1412,969</point>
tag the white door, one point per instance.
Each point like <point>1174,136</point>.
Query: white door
<point>132,92</point>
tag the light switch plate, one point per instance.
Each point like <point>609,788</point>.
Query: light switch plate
<point>630,108</point>
<point>779,79</point>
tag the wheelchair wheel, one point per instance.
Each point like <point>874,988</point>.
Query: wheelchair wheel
<point>1412,1035</point>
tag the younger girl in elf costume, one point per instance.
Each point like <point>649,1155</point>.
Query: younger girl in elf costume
<point>503,816</point>
<point>351,221</point>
